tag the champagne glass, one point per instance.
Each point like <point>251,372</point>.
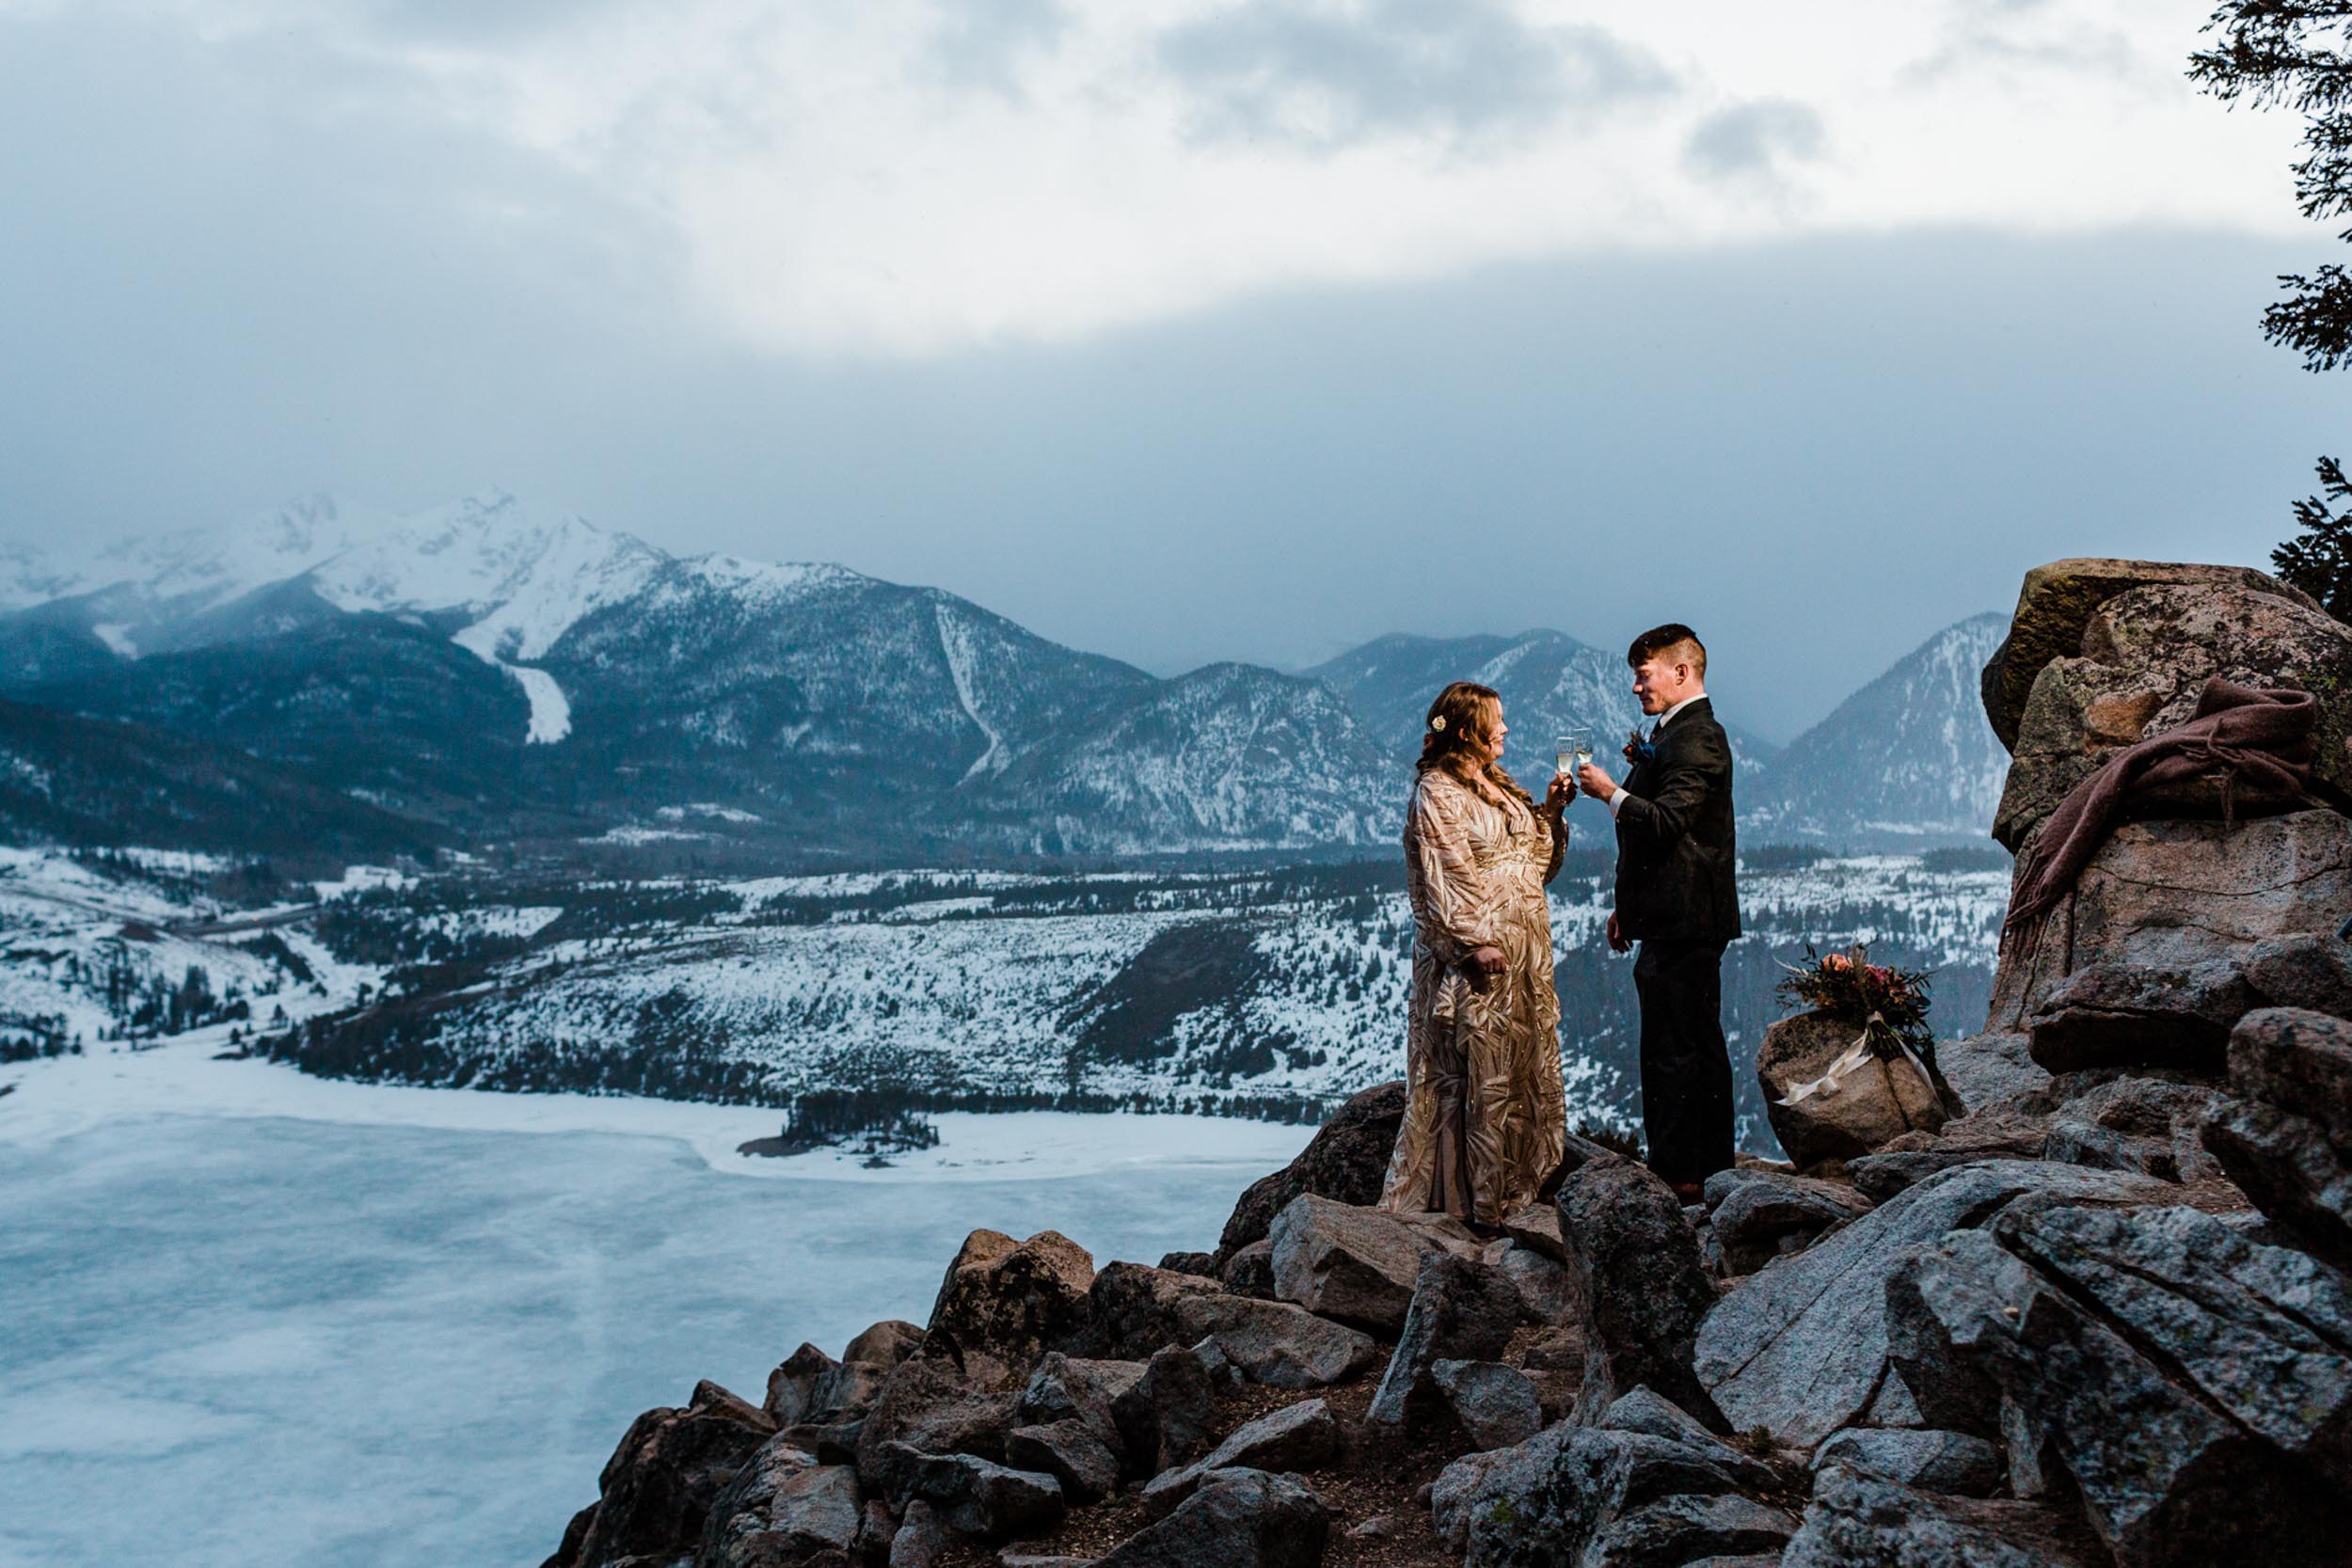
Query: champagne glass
<point>1574,750</point>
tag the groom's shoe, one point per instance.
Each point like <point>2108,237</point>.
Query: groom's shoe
<point>1688,1192</point>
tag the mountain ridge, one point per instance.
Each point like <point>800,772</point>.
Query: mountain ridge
<point>810,698</point>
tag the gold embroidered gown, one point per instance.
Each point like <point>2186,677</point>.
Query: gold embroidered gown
<point>1485,1121</point>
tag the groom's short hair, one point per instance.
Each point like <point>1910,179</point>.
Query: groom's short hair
<point>1673,638</point>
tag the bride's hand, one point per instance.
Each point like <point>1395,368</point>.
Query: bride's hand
<point>1563,790</point>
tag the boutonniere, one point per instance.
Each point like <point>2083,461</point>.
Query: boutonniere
<point>1640,750</point>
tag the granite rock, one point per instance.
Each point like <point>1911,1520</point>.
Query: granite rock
<point>1636,1260</point>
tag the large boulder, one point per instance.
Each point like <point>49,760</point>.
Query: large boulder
<point>1493,1405</point>
<point>1636,1261</point>
<point>886,1344</point>
<point>2056,602</point>
<point>1277,1342</point>
<point>1163,1418</point>
<point>658,1489</point>
<point>971,1494</point>
<point>2195,1386</point>
<point>1237,1519</point>
<point>1867,1108</point>
<point>1860,1520</point>
<point>1290,1438</point>
<point>1756,1216</point>
<point>1990,1070</point>
<point>2124,1015</point>
<point>2165,898</point>
<point>1014,1299</point>
<point>2287,1143</point>
<point>2142,657</point>
<point>1574,1495</point>
<point>1357,1264</point>
<point>1073,1454</point>
<point>1065,1387</point>
<point>2147,1125</point>
<point>1347,1162</point>
<point>2299,1061</point>
<point>1131,1310</point>
<point>936,1403</point>
<point>1461,1310</point>
<point>1801,1349</point>
<point>791,1386</point>
<point>781,1508</point>
<point>2312,972</point>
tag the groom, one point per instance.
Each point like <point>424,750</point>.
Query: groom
<point>1675,896</point>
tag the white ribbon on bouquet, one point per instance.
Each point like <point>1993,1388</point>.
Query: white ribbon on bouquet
<point>1857,1053</point>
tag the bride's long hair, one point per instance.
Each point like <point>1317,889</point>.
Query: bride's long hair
<point>1464,715</point>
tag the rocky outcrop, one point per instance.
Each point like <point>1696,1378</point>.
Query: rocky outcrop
<point>2193,1384</point>
<point>1013,1298</point>
<point>2104,654</point>
<point>658,1487</point>
<point>1802,1349</point>
<point>2163,899</point>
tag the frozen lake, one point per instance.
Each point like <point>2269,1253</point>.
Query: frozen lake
<point>234,1338</point>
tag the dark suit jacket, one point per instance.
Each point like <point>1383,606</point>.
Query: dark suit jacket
<point>1676,850</point>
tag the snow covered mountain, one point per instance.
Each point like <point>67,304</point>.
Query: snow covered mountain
<point>486,668</point>
<point>478,660</point>
<point>507,581</point>
<point>1909,756</point>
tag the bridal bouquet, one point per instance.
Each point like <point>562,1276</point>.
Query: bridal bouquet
<point>1888,1005</point>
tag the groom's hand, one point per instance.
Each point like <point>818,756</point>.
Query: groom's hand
<point>1617,937</point>
<point>1594,783</point>
<point>1482,967</point>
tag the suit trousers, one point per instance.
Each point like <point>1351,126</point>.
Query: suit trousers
<point>1686,1066</point>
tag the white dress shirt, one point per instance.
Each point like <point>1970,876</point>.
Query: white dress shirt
<point>1616,802</point>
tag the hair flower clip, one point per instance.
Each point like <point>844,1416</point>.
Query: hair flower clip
<point>1438,723</point>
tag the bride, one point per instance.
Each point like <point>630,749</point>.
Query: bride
<point>1485,1122</point>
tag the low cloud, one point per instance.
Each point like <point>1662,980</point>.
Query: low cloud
<point>1321,75</point>
<point>1755,142</point>
<point>983,43</point>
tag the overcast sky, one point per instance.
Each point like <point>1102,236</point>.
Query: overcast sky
<point>1182,329</point>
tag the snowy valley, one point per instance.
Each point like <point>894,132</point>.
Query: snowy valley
<point>1271,992</point>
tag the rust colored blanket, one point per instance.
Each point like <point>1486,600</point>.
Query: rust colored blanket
<point>2258,742</point>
